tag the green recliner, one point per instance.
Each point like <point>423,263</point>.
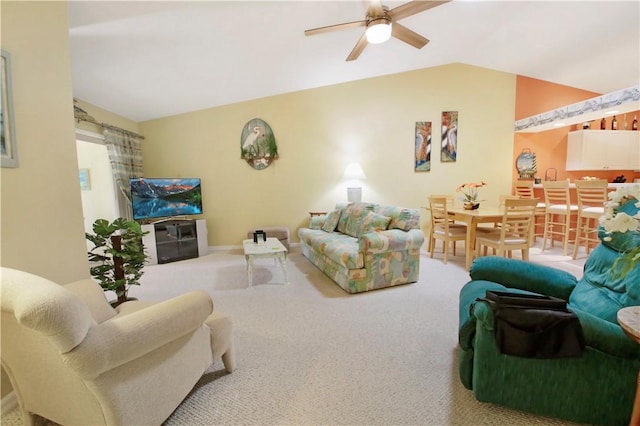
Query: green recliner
<point>595,388</point>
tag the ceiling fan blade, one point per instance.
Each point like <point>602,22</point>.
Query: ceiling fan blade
<point>374,7</point>
<point>413,7</point>
<point>408,36</point>
<point>336,27</point>
<point>358,48</point>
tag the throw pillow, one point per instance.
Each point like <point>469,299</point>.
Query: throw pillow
<point>374,222</point>
<point>331,221</point>
<point>316,222</point>
<point>344,216</point>
<point>356,212</point>
<point>406,220</point>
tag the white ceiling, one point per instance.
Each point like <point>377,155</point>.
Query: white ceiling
<point>151,59</point>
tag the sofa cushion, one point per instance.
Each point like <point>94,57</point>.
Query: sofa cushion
<point>401,218</point>
<point>316,222</point>
<point>598,293</point>
<point>340,248</point>
<point>93,295</point>
<point>407,219</point>
<point>356,212</point>
<point>373,222</point>
<point>342,222</point>
<point>331,221</point>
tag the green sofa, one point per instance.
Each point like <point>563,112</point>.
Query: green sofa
<point>596,388</point>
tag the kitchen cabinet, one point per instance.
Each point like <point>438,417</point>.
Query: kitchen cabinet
<point>603,150</point>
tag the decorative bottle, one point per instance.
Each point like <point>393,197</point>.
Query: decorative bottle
<point>634,124</point>
<point>614,123</point>
<point>603,124</point>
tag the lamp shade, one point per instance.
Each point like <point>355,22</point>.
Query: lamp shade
<point>354,172</point>
<point>378,30</point>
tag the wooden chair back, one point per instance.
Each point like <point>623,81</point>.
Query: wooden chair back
<point>591,193</point>
<point>517,220</point>
<point>556,193</point>
<point>523,189</point>
<point>442,226</point>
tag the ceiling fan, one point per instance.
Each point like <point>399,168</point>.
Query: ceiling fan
<point>381,23</point>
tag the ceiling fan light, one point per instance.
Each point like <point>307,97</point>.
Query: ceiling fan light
<point>378,30</point>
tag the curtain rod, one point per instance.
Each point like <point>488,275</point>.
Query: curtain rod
<point>90,119</point>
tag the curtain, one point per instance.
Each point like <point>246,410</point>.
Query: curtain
<point>125,156</point>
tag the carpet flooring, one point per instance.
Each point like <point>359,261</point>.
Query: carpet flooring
<point>310,354</point>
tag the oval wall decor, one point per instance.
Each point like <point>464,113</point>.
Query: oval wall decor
<point>258,144</point>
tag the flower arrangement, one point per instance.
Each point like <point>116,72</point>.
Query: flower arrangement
<point>616,219</point>
<point>470,191</point>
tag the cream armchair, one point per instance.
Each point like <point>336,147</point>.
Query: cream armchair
<point>73,359</point>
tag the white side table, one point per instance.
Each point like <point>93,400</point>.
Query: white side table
<point>629,320</point>
<point>270,248</point>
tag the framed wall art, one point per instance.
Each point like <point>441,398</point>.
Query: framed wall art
<point>423,146</point>
<point>258,144</point>
<point>449,140</point>
<point>85,179</point>
<point>8,148</point>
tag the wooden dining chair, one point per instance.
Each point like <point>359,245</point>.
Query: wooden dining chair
<point>450,201</point>
<point>501,204</point>
<point>558,213</point>
<point>524,189</point>
<point>443,228</point>
<point>515,231</point>
<point>592,194</point>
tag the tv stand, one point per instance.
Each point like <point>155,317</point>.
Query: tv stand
<point>170,240</point>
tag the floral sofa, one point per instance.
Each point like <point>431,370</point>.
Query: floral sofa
<point>365,246</point>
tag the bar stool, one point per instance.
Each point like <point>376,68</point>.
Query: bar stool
<point>592,194</point>
<point>558,213</point>
<point>524,189</point>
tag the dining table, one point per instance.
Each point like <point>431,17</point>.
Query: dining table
<point>483,214</point>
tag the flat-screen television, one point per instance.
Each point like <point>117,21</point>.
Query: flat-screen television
<point>160,197</point>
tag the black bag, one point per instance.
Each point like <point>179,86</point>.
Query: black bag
<point>534,326</point>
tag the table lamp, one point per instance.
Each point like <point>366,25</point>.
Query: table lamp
<point>353,174</point>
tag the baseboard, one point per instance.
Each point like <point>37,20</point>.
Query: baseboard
<point>223,248</point>
<point>9,402</point>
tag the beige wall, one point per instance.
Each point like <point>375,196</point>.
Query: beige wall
<point>41,221</point>
<point>319,131</point>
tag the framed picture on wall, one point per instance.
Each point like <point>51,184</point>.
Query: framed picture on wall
<point>85,180</point>
<point>449,140</point>
<point>8,148</point>
<point>423,146</point>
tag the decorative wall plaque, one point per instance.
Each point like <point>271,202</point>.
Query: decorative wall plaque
<point>258,144</point>
<point>526,164</point>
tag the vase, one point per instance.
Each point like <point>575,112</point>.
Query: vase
<point>471,205</point>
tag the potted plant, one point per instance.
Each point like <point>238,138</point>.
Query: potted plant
<point>470,194</point>
<point>621,222</point>
<point>118,256</point>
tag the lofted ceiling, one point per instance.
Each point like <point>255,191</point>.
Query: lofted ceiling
<point>150,59</point>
